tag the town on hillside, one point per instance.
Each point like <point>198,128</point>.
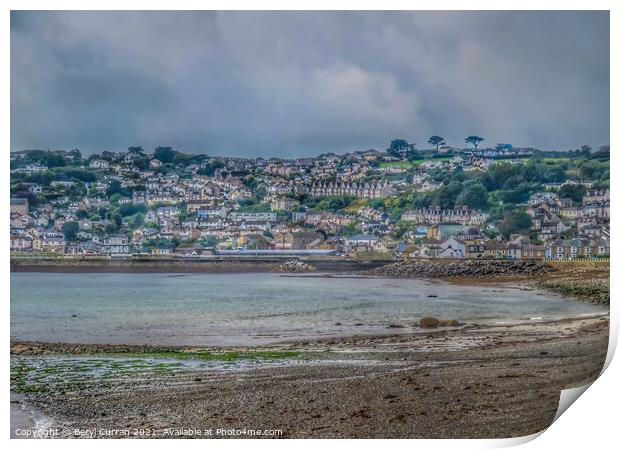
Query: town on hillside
<point>444,202</point>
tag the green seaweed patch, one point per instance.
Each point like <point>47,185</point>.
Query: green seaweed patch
<point>227,356</point>
<point>594,291</point>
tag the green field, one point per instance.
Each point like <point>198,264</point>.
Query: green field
<point>402,164</point>
<point>409,164</point>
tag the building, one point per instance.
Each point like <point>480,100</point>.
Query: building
<point>253,216</point>
<point>116,244</point>
<point>435,215</point>
<point>577,248</point>
<point>285,204</point>
<point>99,164</point>
<point>361,190</point>
<point>19,205</point>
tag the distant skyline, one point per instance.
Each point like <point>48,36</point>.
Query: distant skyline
<point>291,84</point>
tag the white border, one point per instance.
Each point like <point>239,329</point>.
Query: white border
<point>590,422</point>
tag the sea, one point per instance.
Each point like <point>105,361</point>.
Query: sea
<point>249,309</point>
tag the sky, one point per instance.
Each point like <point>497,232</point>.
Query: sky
<point>291,84</point>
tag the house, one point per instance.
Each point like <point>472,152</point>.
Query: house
<point>116,244</point>
<point>593,196</point>
<point>193,250</point>
<point>285,204</point>
<point>167,215</point>
<point>53,243</point>
<point>298,240</point>
<point>529,251</point>
<point>99,164</point>
<point>361,190</point>
<point>19,205</point>
<point>577,248</point>
<point>363,242</point>
<point>435,215</point>
<point>21,243</point>
<point>253,216</point>
<point>254,241</point>
<point>155,163</point>
<point>452,249</point>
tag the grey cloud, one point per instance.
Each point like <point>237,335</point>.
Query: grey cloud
<point>294,83</point>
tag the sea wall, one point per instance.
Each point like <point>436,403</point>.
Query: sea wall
<point>182,265</point>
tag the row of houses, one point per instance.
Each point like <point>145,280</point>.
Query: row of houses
<point>359,190</point>
<point>454,248</point>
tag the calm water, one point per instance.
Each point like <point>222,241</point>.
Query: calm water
<point>229,309</point>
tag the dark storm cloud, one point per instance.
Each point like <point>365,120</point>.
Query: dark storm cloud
<point>287,84</point>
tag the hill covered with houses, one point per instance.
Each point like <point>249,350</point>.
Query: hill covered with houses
<point>502,202</point>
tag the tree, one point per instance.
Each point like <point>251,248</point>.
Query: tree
<point>475,196</point>
<point>114,187</point>
<point>515,222</point>
<point>474,140</point>
<point>136,150</point>
<point>602,152</point>
<point>436,140</point>
<point>76,157</point>
<point>70,230</point>
<point>82,213</point>
<point>573,191</point>
<point>585,150</point>
<point>117,219</point>
<point>400,148</point>
<point>164,154</point>
<point>446,196</point>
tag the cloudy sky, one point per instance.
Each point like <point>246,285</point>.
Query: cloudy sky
<point>304,83</point>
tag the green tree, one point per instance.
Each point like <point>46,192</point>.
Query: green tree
<point>436,141</point>
<point>573,191</point>
<point>138,150</point>
<point>164,154</point>
<point>70,230</point>
<point>515,222</point>
<point>475,196</point>
<point>474,140</point>
<point>447,195</point>
<point>401,149</point>
<point>114,187</point>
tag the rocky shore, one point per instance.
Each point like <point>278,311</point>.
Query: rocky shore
<point>473,268</point>
<point>296,266</point>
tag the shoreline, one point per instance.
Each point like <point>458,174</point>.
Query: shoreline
<point>216,265</point>
<point>471,381</point>
<point>401,385</point>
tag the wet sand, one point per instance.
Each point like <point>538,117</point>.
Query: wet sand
<point>470,382</point>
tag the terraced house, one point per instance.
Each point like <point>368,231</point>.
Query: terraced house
<point>435,215</point>
<point>359,190</point>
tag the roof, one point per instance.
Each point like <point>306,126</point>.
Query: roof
<point>363,237</point>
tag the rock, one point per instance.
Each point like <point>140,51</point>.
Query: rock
<point>338,324</point>
<point>295,266</point>
<point>449,323</point>
<point>464,268</point>
<point>395,326</point>
<point>428,322</point>
<point>19,349</point>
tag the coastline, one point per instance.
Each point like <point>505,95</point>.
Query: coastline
<point>243,264</point>
<point>501,380</point>
<point>496,381</point>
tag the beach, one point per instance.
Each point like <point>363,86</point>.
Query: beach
<point>377,377</point>
<point>482,382</point>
